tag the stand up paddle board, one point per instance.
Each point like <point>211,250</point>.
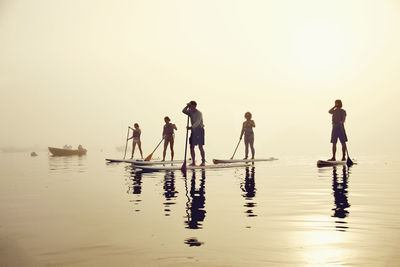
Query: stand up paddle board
<point>116,160</point>
<point>178,167</point>
<point>140,162</point>
<point>326,163</point>
<point>158,162</point>
<point>217,161</point>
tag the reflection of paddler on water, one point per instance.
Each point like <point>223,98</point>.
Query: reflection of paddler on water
<point>136,132</point>
<point>247,131</point>
<point>197,128</point>
<point>338,131</point>
<point>168,135</point>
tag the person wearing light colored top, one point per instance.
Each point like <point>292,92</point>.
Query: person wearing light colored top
<point>197,134</point>
<point>136,132</point>
<point>338,131</point>
<point>247,131</point>
<point>168,135</point>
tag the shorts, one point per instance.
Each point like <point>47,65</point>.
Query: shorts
<point>169,138</point>
<point>197,136</point>
<point>249,138</point>
<point>338,132</point>
<point>136,140</point>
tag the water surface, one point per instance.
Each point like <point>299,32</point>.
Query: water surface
<point>81,211</point>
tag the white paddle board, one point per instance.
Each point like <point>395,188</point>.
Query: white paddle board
<point>322,163</point>
<point>217,161</point>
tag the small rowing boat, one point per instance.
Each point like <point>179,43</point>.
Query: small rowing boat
<point>178,167</point>
<point>218,161</point>
<point>67,152</point>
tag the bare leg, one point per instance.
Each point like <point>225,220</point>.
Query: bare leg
<point>165,149</point>
<point>344,148</point>
<point>252,149</point>
<point>246,149</point>
<point>203,157</point>
<point>140,149</point>
<point>193,154</point>
<point>171,146</point>
<point>333,151</point>
<point>133,148</point>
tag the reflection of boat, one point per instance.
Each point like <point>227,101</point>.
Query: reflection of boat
<point>67,152</point>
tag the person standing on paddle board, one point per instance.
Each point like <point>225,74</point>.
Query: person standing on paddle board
<point>136,132</point>
<point>197,128</point>
<point>168,135</point>
<point>338,131</point>
<point>247,131</point>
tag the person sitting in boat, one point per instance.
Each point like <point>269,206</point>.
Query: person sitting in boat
<point>338,131</point>
<point>197,128</point>
<point>80,148</point>
<point>168,135</point>
<point>247,131</point>
<point>136,132</point>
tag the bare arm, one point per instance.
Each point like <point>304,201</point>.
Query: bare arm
<point>186,110</point>
<point>332,109</point>
<point>175,127</point>
<point>242,132</point>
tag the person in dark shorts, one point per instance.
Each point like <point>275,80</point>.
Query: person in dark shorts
<point>247,131</point>
<point>197,128</point>
<point>168,135</point>
<point>338,131</point>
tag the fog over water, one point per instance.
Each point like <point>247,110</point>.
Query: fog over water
<point>79,72</point>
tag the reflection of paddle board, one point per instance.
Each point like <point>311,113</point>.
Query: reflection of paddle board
<point>216,161</point>
<point>323,163</point>
<point>178,167</point>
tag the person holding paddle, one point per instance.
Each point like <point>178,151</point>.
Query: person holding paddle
<point>338,131</point>
<point>197,134</point>
<point>247,131</point>
<point>168,136</point>
<point>136,132</point>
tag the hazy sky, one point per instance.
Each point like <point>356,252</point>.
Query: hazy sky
<point>80,71</point>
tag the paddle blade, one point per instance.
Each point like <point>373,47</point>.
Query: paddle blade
<point>148,158</point>
<point>183,168</point>
<point>349,162</point>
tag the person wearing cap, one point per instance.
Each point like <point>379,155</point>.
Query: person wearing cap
<point>197,131</point>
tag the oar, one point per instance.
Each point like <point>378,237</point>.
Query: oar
<point>149,156</point>
<point>236,148</point>
<point>126,144</point>
<point>183,168</point>
<point>349,162</point>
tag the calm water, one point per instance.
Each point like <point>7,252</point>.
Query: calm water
<point>80,211</point>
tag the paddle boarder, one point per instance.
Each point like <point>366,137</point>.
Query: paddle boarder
<point>136,132</point>
<point>197,134</point>
<point>338,131</point>
<point>168,135</point>
<point>247,131</point>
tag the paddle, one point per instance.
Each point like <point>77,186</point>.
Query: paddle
<point>349,162</point>
<point>236,148</point>
<point>126,144</point>
<point>183,168</point>
<point>148,158</point>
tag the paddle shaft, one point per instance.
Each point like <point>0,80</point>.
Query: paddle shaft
<point>183,168</point>
<point>149,156</point>
<point>236,148</point>
<point>126,143</point>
